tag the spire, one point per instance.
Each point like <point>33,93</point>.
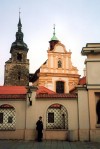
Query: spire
<point>54,37</point>
<point>19,43</point>
<point>54,30</point>
<point>19,23</point>
<point>19,34</point>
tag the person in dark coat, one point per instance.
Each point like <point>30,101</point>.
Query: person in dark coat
<point>39,128</point>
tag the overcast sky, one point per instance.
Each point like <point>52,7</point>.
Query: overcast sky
<point>77,23</point>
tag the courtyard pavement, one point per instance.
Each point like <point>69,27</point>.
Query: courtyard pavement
<point>47,144</point>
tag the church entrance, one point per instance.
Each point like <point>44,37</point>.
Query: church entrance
<point>56,117</point>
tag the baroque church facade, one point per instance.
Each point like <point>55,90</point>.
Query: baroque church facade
<point>57,73</point>
<point>69,105</point>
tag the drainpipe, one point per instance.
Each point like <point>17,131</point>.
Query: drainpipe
<point>25,118</point>
<point>78,118</point>
<point>88,112</point>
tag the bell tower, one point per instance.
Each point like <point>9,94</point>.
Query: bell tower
<point>17,67</point>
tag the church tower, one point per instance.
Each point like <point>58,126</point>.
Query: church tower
<point>17,67</point>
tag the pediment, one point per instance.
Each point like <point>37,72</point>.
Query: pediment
<point>60,48</point>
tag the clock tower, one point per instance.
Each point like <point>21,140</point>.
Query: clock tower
<point>17,67</point>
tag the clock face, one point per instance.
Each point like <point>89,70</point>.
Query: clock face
<point>59,49</point>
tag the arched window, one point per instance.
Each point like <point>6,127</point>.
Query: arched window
<point>98,112</point>
<point>7,117</point>
<point>59,64</point>
<point>56,117</point>
<point>19,57</point>
<point>59,87</point>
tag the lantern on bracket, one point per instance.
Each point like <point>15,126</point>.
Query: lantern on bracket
<point>29,95</point>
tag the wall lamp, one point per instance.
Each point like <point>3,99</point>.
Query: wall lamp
<point>29,94</point>
<point>30,89</point>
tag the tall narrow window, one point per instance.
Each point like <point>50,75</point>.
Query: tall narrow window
<point>50,117</point>
<point>59,64</point>
<point>98,112</point>
<point>59,87</point>
<point>1,118</point>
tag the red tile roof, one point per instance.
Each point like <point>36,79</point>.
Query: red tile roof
<point>13,92</point>
<point>14,96</point>
<point>44,90</point>
<point>19,92</point>
<point>82,81</point>
<point>56,95</point>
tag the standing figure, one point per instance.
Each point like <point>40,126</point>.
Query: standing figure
<point>39,128</point>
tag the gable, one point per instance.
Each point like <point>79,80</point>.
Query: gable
<point>60,48</point>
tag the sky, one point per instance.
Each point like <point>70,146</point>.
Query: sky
<point>77,22</point>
